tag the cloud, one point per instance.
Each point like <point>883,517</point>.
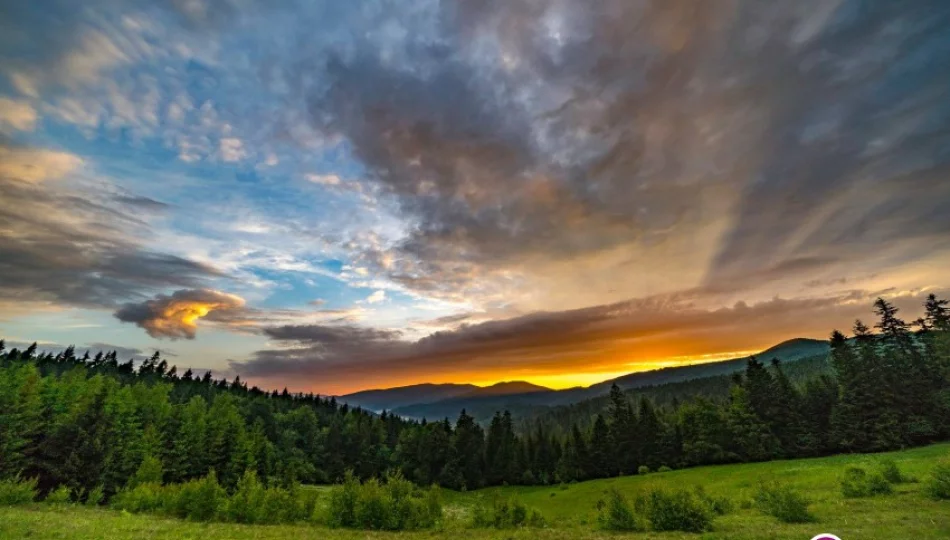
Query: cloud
<point>616,337</point>
<point>76,57</point>
<point>376,297</point>
<point>659,144</point>
<point>332,336</point>
<point>323,179</point>
<point>35,165</point>
<point>176,316</point>
<point>70,244</point>
<point>232,149</point>
<point>16,115</point>
<point>142,203</point>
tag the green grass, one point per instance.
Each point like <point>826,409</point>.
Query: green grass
<point>571,513</point>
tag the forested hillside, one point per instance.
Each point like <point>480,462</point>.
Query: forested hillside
<point>669,395</point>
<point>526,405</point>
<point>92,422</point>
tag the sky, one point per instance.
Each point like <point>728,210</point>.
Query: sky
<point>331,196</point>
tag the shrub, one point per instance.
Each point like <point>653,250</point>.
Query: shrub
<point>938,485</point>
<point>535,519</point>
<point>148,497</point>
<point>341,511</point>
<point>17,491</point>
<point>892,473</point>
<point>199,500</point>
<point>504,513</point>
<point>246,504</point>
<point>304,503</point>
<point>95,496</point>
<point>278,507</point>
<point>856,482</point>
<point>205,500</point>
<point>783,503</point>
<point>678,510</point>
<point>410,508</point>
<point>643,469</point>
<point>149,472</point>
<point>372,508</point>
<point>616,514</point>
<point>664,468</point>
<point>59,495</point>
<point>718,505</point>
<point>395,505</point>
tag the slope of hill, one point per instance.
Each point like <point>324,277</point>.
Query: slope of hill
<point>482,407</point>
<point>582,413</point>
<point>390,398</point>
<point>507,388</point>
<point>571,509</point>
<point>423,394</point>
<point>786,351</point>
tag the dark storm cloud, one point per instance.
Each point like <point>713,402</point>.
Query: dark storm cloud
<point>71,247</point>
<point>521,129</point>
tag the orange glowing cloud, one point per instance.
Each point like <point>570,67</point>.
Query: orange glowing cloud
<point>177,316</point>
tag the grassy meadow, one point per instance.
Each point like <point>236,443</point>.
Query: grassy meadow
<point>570,509</point>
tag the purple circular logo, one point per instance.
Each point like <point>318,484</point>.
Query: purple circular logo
<point>826,536</point>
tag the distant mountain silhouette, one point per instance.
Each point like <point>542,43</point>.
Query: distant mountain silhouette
<point>507,388</point>
<point>421,394</point>
<point>483,405</point>
<point>390,398</point>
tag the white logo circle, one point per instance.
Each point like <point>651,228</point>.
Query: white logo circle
<point>826,536</point>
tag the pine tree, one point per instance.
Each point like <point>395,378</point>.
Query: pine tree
<point>20,418</point>
<point>751,439</point>
<point>601,455</point>
<point>189,449</point>
<point>622,432</point>
<point>649,432</point>
<point>469,443</point>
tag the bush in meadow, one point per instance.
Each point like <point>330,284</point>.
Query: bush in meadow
<point>246,504</point>
<point>678,510</point>
<point>505,513</point>
<point>341,510</point>
<point>783,503</point>
<point>938,484</point>
<point>60,495</point>
<point>394,505</point>
<point>616,514</point>
<point>15,491</point>
<point>95,496</point>
<point>718,505</point>
<point>199,500</point>
<point>856,482</point>
<point>149,472</point>
<point>146,497</point>
<point>892,473</point>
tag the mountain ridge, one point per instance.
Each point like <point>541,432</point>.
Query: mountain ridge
<point>379,399</point>
<point>483,406</point>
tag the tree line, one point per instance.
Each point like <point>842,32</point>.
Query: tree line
<point>89,423</point>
